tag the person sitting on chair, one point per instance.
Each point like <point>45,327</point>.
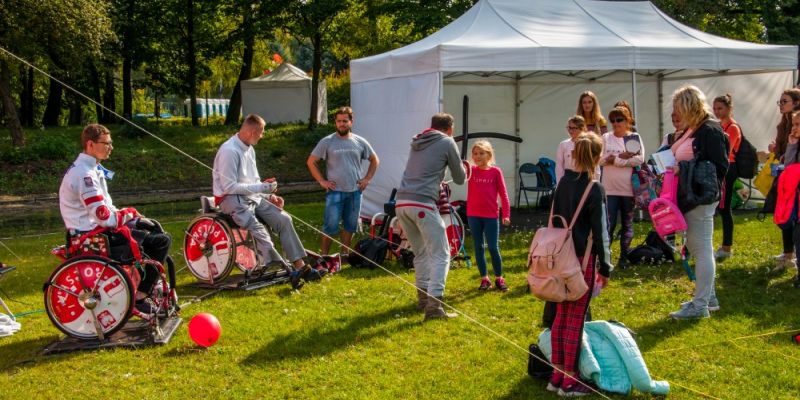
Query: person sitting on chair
<point>86,204</point>
<point>240,193</point>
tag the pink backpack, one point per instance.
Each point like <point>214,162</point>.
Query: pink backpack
<point>667,218</point>
<point>554,273</point>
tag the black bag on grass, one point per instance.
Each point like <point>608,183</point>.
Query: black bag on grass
<point>537,367</point>
<point>654,250</point>
<point>373,249</point>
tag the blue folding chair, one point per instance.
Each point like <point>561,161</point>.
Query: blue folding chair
<point>539,187</point>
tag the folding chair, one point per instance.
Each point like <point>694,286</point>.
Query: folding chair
<point>538,188</point>
<point>4,269</point>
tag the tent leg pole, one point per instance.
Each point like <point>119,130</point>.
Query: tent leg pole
<point>660,95</point>
<point>633,92</point>
<point>516,127</point>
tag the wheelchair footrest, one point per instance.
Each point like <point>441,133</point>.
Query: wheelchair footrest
<point>242,282</point>
<point>135,333</point>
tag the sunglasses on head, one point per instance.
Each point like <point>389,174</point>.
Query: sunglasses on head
<point>618,120</point>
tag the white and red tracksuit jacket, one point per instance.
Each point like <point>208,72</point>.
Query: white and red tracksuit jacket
<point>84,200</point>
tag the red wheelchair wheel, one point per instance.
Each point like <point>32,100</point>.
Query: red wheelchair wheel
<point>209,249</point>
<point>455,233</point>
<point>88,294</point>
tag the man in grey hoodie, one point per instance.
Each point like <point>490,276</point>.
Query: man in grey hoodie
<point>432,152</point>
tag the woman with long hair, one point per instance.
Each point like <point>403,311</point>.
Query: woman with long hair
<point>703,140</point>
<point>787,104</point>
<point>723,110</point>
<point>567,327</point>
<point>589,109</point>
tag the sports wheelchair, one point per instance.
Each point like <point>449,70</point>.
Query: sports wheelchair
<point>214,244</point>
<point>92,295</point>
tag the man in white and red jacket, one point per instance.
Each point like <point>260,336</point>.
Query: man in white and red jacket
<point>86,204</point>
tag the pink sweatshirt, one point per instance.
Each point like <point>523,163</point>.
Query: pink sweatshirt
<point>482,191</point>
<point>617,177</point>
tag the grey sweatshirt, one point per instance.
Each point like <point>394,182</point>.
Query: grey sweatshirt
<point>431,153</point>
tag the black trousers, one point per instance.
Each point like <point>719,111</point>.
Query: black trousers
<point>155,246</point>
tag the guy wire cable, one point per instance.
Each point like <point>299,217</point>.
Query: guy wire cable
<point>468,317</point>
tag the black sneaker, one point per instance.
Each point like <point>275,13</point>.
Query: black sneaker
<point>622,263</point>
<point>144,306</point>
<point>296,279</point>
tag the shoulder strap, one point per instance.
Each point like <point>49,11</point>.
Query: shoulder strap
<point>580,205</point>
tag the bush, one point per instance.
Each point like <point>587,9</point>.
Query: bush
<point>44,148</point>
<point>338,86</point>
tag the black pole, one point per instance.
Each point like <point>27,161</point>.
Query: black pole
<point>465,128</point>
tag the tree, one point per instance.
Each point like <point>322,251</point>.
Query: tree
<point>315,21</point>
<point>59,31</point>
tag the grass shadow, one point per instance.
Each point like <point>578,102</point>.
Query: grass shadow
<point>322,341</point>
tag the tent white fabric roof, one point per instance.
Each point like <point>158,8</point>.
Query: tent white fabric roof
<point>557,35</point>
<point>523,64</point>
<point>283,95</point>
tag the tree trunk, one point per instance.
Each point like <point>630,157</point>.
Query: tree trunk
<point>25,113</point>
<point>110,97</point>
<point>316,42</point>
<point>52,113</point>
<point>157,107</point>
<point>95,78</point>
<point>29,104</point>
<point>235,105</point>
<point>191,61</point>
<point>127,92</point>
<point>75,111</point>
<point>12,119</point>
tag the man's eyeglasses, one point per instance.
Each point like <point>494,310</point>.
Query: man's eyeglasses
<point>109,144</point>
<point>573,128</point>
<point>782,102</point>
<point>618,120</point>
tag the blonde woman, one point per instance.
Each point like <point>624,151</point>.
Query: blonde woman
<point>589,109</point>
<point>485,186</point>
<point>703,139</point>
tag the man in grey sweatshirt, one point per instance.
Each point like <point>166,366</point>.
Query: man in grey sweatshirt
<point>432,152</point>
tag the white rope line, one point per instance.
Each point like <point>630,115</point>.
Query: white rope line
<point>11,251</point>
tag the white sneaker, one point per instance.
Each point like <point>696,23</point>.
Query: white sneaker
<point>783,263</point>
<point>721,255</point>
<point>713,304</point>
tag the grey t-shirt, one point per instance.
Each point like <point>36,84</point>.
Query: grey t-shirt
<point>343,159</point>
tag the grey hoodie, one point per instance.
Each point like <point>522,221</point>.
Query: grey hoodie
<point>431,153</point>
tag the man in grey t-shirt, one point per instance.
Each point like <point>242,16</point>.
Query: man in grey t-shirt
<point>343,153</point>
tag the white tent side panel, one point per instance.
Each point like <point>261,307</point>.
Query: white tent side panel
<point>394,110</point>
<point>277,104</point>
<point>754,100</point>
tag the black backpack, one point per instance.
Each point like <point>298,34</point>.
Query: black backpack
<point>653,251</point>
<point>746,159</point>
<point>372,248</point>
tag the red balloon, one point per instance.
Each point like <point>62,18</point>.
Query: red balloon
<point>204,329</point>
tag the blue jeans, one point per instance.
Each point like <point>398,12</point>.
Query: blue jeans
<point>341,206</point>
<point>488,228</point>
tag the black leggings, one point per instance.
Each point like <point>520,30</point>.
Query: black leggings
<point>724,208</point>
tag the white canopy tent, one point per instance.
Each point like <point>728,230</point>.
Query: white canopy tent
<point>524,63</point>
<point>283,95</point>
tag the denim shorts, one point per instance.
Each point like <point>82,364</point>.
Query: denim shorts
<point>341,206</point>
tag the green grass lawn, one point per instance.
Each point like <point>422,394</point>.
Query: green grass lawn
<point>356,335</point>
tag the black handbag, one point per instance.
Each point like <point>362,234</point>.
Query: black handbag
<point>537,364</point>
<point>698,184</point>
